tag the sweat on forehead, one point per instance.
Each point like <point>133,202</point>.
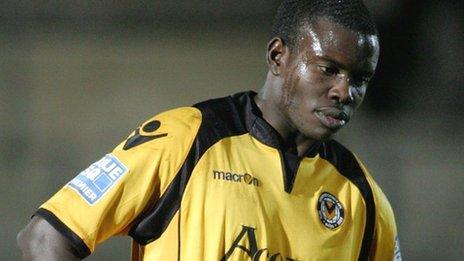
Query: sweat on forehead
<point>324,36</point>
<point>307,29</point>
<point>292,14</point>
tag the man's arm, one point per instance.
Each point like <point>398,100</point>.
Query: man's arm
<point>40,241</point>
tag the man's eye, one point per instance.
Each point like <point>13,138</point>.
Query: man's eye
<point>361,81</point>
<point>327,70</point>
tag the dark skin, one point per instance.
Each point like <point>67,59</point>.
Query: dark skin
<point>310,93</point>
<point>313,91</point>
<point>40,241</point>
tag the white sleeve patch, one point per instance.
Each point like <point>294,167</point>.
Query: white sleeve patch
<point>93,183</point>
<point>397,256</point>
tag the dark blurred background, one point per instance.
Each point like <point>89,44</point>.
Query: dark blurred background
<point>76,77</point>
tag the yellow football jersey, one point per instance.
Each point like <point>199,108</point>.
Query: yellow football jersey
<point>213,182</point>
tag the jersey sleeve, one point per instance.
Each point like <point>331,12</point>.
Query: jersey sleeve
<point>386,242</point>
<point>104,199</point>
<point>385,245</point>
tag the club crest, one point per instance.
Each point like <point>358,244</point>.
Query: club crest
<point>330,210</point>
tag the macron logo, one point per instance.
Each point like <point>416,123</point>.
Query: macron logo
<point>237,178</point>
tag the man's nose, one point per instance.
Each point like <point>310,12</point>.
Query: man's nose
<point>340,91</point>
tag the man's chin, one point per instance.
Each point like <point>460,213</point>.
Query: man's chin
<point>321,135</point>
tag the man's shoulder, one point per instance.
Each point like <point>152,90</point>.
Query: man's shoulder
<point>233,104</point>
<point>175,121</point>
<point>226,115</point>
<point>164,129</point>
<point>221,116</point>
<point>181,117</point>
<point>347,161</point>
<point>339,156</point>
<point>383,206</point>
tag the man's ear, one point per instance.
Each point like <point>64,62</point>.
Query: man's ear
<point>276,51</point>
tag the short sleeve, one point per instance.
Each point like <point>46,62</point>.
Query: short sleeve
<point>386,241</point>
<point>104,199</point>
<point>385,245</point>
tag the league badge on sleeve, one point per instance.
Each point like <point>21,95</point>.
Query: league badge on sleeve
<point>397,256</point>
<point>96,180</point>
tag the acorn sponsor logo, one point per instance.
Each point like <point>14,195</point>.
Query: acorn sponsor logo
<point>246,243</point>
<point>237,178</point>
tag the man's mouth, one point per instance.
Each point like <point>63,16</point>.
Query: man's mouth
<point>331,117</point>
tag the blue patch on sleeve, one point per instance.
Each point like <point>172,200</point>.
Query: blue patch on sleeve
<point>96,180</point>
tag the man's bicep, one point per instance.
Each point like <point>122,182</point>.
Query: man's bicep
<point>102,200</point>
<point>39,240</point>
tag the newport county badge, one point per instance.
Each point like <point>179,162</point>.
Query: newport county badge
<point>330,210</point>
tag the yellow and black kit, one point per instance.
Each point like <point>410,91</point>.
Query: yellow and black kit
<point>214,182</point>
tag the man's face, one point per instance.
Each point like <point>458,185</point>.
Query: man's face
<point>325,78</point>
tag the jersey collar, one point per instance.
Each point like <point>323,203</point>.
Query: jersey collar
<point>260,129</point>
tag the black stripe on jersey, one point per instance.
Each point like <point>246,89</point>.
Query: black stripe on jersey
<point>264,132</point>
<point>80,249</point>
<point>346,163</point>
<point>261,130</point>
<point>290,163</point>
<point>220,119</point>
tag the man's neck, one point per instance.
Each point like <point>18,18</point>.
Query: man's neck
<point>292,139</point>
